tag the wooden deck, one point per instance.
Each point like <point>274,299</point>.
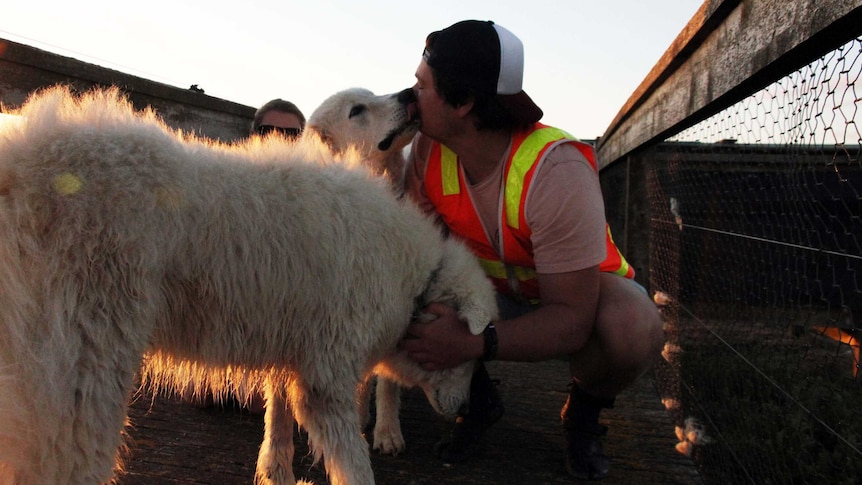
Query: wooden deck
<point>175,443</point>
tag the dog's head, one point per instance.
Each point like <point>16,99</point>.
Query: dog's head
<point>460,282</point>
<point>375,126</point>
<point>448,390</point>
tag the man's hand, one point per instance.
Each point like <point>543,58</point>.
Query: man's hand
<point>443,342</point>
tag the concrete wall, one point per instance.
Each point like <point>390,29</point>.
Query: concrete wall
<point>24,69</point>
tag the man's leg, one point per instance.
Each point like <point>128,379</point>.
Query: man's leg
<point>585,458</point>
<point>625,344</point>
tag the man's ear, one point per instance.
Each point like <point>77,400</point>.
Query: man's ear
<point>464,109</point>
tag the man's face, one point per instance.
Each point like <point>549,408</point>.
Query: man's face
<point>434,112</point>
<point>288,124</point>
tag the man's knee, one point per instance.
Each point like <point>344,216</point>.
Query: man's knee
<point>629,323</point>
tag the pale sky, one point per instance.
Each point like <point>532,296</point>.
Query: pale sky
<point>583,58</point>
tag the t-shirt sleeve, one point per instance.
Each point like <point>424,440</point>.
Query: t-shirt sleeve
<point>566,213</point>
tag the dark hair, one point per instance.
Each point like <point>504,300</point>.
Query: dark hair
<point>490,114</point>
<point>280,105</point>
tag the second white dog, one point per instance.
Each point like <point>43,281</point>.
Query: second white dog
<point>377,127</point>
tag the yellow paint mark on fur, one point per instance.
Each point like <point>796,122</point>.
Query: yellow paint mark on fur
<point>67,183</point>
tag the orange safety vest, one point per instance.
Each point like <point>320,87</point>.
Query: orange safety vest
<point>513,269</point>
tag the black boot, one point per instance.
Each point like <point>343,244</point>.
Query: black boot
<point>485,409</point>
<point>585,458</point>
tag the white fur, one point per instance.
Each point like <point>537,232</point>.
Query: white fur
<point>265,265</point>
<point>378,127</point>
<point>357,119</point>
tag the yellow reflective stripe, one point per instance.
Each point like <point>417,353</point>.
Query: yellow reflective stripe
<point>449,167</point>
<point>496,269</point>
<point>523,160</point>
<point>624,265</point>
<point>624,269</point>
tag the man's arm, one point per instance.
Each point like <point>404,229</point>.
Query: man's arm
<point>560,326</point>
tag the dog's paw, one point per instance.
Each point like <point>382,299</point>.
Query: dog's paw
<point>274,465</point>
<point>388,441</point>
<point>276,476</point>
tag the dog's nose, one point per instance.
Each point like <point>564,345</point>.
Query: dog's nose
<point>407,96</point>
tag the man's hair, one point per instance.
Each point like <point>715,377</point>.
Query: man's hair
<point>279,105</point>
<point>490,113</point>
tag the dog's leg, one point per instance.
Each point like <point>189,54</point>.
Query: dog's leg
<point>363,398</point>
<point>329,414</point>
<point>275,459</point>
<point>89,411</point>
<point>79,430</point>
<point>387,429</point>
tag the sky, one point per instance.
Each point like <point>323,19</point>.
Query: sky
<point>583,58</point>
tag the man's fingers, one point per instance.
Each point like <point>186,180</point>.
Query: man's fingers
<point>438,308</point>
<point>415,330</point>
<point>421,358</point>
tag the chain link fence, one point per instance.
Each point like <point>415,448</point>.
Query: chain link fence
<point>756,261</point>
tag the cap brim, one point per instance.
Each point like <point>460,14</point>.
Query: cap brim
<point>521,106</point>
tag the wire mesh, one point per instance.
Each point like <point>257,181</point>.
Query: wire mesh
<point>756,259</point>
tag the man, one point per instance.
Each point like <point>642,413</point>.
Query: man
<point>279,116</point>
<point>526,198</point>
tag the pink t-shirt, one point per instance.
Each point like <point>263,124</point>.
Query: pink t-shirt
<point>564,206</point>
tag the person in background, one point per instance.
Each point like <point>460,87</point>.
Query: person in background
<point>525,197</point>
<point>279,116</point>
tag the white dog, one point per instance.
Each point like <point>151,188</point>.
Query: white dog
<point>377,127</point>
<point>266,264</point>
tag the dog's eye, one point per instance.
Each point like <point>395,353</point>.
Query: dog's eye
<point>357,110</point>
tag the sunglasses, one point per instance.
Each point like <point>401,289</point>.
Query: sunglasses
<point>287,132</point>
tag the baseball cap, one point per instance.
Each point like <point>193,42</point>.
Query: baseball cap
<point>485,57</point>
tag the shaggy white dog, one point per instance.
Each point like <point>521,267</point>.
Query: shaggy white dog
<point>267,265</point>
<point>377,127</point>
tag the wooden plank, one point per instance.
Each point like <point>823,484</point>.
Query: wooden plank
<point>178,444</point>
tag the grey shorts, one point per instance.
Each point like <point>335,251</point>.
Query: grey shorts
<point>511,308</point>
